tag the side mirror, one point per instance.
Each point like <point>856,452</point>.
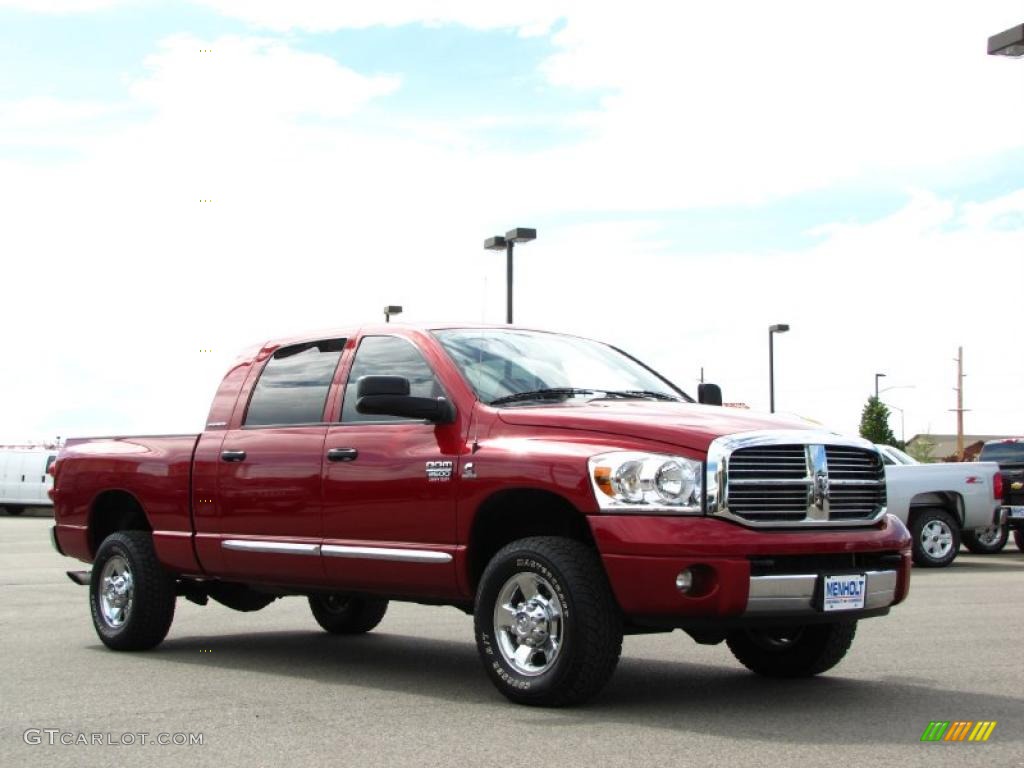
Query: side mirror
<point>382,385</point>
<point>389,396</point>
<point>709,394</point>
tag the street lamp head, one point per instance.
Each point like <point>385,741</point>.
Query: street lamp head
<point>778,328</point>
<point>496,243</point>
<point>392,309</point>
<point>1008,43</point>
<point>521,235</point>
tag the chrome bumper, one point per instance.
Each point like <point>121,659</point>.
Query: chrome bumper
<point>788,594</point>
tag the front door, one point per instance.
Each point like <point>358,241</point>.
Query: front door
<point>389,485</point>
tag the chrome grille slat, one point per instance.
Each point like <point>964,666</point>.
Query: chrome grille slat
<point>786,483</point>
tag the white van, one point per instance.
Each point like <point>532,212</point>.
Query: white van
<point>24,479</point>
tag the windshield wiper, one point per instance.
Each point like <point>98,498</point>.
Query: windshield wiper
<point>641,393</point>
<point>541,394</point>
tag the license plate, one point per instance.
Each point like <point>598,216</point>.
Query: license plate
<point>844,593</point>
<point>1015,512</point>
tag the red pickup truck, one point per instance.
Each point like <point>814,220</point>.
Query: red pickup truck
<point>556,488</point>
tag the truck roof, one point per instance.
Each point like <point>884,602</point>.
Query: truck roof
<point>375,328</point>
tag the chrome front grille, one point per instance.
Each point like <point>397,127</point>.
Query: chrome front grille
<point>792,478</point>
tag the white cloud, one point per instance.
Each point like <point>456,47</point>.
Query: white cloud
<point>529,16</point>
<point>319,219</point>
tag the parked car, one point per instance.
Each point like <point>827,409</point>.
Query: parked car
<point>944,505</point>
<point>1009,455</point>
<point>557,489</point>
<point>24,478</point>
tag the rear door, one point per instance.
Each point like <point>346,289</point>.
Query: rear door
<point>268,507</point>
<point>389,492</point>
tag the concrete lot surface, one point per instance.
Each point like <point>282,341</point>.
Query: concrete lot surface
<point>270,688</point>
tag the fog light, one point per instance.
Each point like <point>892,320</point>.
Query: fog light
<point>684,581</point>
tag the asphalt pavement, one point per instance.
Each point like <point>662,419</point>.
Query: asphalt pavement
<point>272,689</point>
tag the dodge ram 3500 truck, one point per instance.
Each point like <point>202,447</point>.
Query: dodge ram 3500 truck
<point>557,489</point>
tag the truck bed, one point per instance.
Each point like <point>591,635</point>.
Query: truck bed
<point>155,469</point>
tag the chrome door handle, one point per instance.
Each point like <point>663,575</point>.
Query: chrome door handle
<point>342,454</point>
<point>233,455</point>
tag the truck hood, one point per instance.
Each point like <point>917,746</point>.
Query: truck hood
<point>686,424</point>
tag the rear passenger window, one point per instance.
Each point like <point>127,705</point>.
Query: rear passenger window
<point>292,389</point>
<point>388,356</point>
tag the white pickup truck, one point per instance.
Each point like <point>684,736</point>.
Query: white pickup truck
<point>944,504</point>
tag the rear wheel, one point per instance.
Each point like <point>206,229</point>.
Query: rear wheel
<point>936,538</point>
<point>548,629</point>
<point>1018,538</point>
<point>986,541</point>
<point>347,615</point>
<point>14,511</point>
<point>792,651</point>
<point>131,596</point>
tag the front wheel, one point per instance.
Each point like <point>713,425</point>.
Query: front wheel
<point>986,541</point>
<point>792,651</point>
<point>131,596</point>
<point>346,615</point>
<point>936,538</point>
<point>548,629</point>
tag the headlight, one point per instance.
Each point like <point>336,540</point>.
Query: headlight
<point>651,483</point>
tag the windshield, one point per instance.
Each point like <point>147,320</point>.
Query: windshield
<point>896,455</point>
<point>510,364</point>
<point>1007,452</point>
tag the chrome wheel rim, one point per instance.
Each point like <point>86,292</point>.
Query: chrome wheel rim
<point>990,536</point>
<point>528,624</point>
<point>116,592</point>
<point>936,539</point>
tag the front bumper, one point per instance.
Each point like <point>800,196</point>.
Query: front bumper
<point>741,574</point>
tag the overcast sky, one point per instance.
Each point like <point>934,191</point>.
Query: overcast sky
<point>696,172</point>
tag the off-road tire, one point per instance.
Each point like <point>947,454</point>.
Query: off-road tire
<point>918,529</point>
<point>978,546</point>
<point>347,615</point>
<point>590,622</point>
<point>810,650</point>
<point>152,610</point>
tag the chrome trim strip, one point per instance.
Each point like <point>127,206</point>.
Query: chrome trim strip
<point>393,554</point>
<point>716,480</point>
<point>275,547</point>
<point>794,593</point>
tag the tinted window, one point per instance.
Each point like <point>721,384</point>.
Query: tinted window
<point>1004,453</point>
<point>49,462</point>
<point>388,356</point>
<point>293,386</point>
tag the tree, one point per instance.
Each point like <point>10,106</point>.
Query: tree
<point>874,423</point>
<point>923,449</point>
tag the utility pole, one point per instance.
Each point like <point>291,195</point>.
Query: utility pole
<point>959,403</point>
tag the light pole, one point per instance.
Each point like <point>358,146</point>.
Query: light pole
<point>772,330</point>
<point>507,243</point>
<point>391,309</point>
<point>1008,43</point>
<point>903,432</point>
<point>877,377</point>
